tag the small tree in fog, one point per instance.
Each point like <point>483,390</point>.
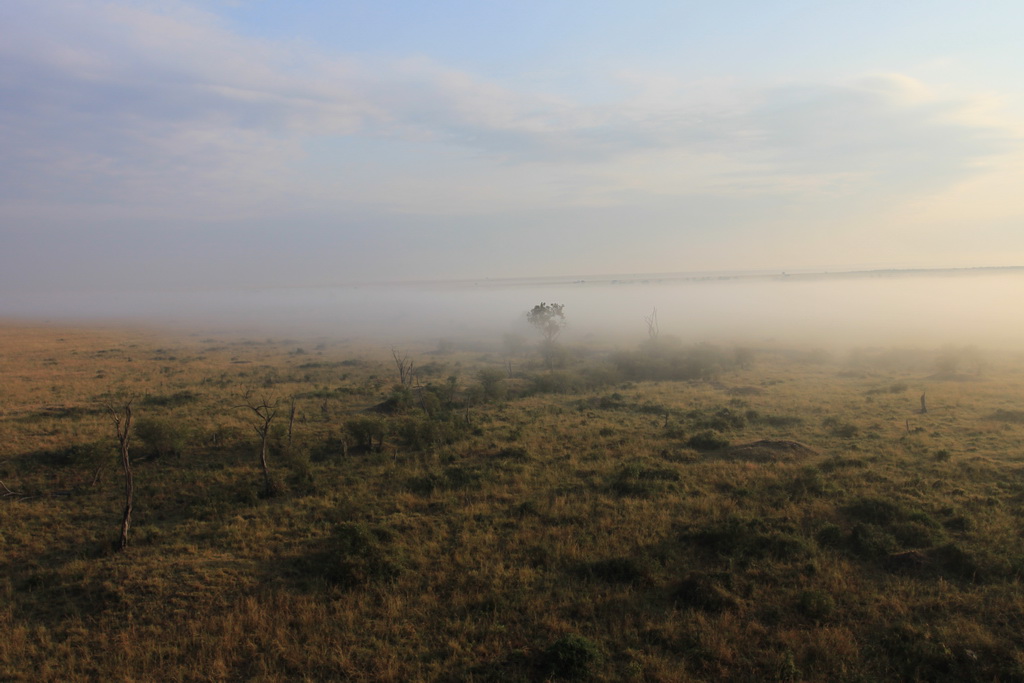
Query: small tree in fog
<point>548,319</point>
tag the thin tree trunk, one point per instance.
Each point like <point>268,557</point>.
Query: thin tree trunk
<point>122,418</point>
<point>129,497</point>
<point>291,424</point>
<point>267,486</point>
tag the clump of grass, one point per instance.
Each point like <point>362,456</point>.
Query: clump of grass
<point>816,604</point>
<point>1011,416</point>
<point>745,540</point>
<point>843,430</point>
<point>625,570</point>
<point>637,480</point>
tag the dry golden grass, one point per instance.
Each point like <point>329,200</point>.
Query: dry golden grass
<point>552,535</point>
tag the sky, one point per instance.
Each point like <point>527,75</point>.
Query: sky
<point>203,144</point>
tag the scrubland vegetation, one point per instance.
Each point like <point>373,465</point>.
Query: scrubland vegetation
<point>503,512</point>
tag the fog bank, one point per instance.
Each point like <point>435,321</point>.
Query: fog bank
<point>932,308</point>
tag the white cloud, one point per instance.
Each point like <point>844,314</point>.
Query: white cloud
<point>122,106</point>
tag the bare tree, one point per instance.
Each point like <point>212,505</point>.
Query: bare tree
<point>264,409</point>
<point>405,367</point>
<point>652,325</point>
<point>121,416</point>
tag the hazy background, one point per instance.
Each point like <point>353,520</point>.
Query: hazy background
<point>835,312</point>
<point>169,157</point>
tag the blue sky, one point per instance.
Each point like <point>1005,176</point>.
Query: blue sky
<point>262,143</point>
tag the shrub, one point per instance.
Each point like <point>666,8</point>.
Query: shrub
<point>707,441</point>
<point>423,433</point>
<point>816,604</point>
<point>871,541</point>
<point>163,436</point>
<point>492,384</point>
<point>366,429</point>
<point>92,454</point>
<point>956,562</point>
<point>875,510</point>
<point>572,656</point>
<point>557,383</point>
<point>739,539</point>
<point>356,554</point>
<point>707,592</point>
<point>840,429</point>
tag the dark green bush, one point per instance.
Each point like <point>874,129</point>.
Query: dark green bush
<point>163,436</point>
<point>355,554</point>
<point>572,656</point>
<point>367,429</point>
<point>706,592</point>
<point>422,433</point>
<point>492,384</point>
<point>870,541</point>
<point>707,441</point>
<point>816,604</point>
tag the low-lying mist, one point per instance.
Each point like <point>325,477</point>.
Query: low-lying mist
<point>933,309</point>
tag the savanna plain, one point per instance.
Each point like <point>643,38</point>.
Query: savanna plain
<point>507,509</point>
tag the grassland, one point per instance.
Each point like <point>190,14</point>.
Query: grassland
<point>780,515</point>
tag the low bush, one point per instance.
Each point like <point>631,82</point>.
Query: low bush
<point>354,555</point>
<point>572,656</point>
<point>707,441</point>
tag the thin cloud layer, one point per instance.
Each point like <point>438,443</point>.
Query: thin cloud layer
<point>122,112</point>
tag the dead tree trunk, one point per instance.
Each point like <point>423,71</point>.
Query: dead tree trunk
<point>291,425</point>
<point>265,410</point>
<point>406,375</point>
<point>122,419</point>
<point>653,330</point>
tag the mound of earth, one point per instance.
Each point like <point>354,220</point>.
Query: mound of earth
<point>768,450</point>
